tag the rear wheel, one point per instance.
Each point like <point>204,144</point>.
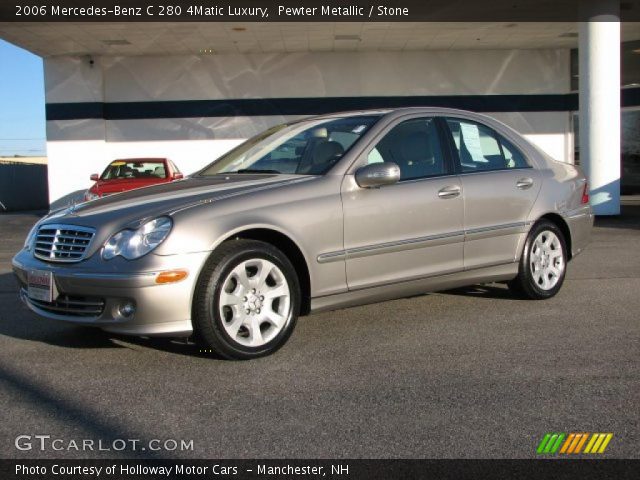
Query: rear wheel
<point>247,300</point>
<point>543,263</point>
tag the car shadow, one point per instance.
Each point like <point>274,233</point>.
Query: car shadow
<point>17,321</point>
<point>492,291</point>
<point>178,346</point>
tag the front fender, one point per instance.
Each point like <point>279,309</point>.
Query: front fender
<point>309,215</point>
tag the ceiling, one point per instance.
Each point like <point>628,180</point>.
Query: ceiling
<point>129,39</point>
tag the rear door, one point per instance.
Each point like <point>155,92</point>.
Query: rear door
<point>500,187</point>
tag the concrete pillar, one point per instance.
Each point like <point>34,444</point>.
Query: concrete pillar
<point>599,70</point>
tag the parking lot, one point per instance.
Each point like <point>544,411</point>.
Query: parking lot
<point>469,373</point>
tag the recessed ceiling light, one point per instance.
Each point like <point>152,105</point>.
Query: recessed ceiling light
<point>347,37</point>
<point>207,51</point>
<point>115,42</point>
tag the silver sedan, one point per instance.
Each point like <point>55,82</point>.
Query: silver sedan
<point>323,213</point>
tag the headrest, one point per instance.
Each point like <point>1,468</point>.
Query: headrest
<point>319,132</point>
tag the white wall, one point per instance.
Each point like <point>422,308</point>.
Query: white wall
<point>77,148</point>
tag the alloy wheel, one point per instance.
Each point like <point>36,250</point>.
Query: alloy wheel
<point>546,260</point>
<point>254,302</point>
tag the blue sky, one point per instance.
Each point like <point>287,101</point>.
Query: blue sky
<point>22,117</point>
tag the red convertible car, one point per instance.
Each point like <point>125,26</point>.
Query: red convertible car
<point>129,173</point>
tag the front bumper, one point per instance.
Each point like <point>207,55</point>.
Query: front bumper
<point>93,296</point>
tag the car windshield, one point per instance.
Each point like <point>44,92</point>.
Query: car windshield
<point>121,169</point>
<point>309,147</point>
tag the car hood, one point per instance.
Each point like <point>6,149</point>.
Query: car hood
<point>147,202</point>
<point>123,184</point>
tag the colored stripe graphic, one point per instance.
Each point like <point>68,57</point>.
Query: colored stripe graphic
<point>598,442</point>
<point>605,443</point>
<point>594,437</point>
<point>543,443</point>
<point>555,447</point>
<point>583,439</point>
<point>573,443</point>
<point>550,443</point>
<point>567,443</point>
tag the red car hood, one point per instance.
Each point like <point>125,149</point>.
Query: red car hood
<point>102,187</point>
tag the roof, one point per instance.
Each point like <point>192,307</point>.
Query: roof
<point>201,38</point>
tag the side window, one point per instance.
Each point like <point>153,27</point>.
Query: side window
<point>414,146</point>
<point>481,149</point>
<point>513,156</point>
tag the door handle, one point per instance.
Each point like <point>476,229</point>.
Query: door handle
<point>450,191</point>
<point>524,183</point>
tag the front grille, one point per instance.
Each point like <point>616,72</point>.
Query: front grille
<point>62,243</point>
<point>72,306</point>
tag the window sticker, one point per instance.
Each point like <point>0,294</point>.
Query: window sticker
<point>471,136</point>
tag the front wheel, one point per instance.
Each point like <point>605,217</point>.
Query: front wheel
<point>543,263</point>
<point>247,300</point>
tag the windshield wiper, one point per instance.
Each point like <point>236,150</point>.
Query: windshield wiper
<point>255,170</point>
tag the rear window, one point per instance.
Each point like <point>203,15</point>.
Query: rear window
<point>121,169</point>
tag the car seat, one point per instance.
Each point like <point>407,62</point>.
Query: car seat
<point>318,152</point>
<point>417,158</point>
<point>323,156</point>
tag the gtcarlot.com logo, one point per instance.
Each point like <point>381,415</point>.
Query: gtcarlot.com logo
<point>573,443</point>
<point>49,443</point>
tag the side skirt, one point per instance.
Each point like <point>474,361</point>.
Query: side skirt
<point>393,291</point>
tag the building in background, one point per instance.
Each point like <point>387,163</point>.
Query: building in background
<point>191,91</point>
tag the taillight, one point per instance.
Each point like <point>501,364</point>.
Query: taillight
<point>585,193</point>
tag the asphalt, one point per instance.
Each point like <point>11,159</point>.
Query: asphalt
<point>470,373</point>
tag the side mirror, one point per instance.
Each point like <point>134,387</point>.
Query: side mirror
<point>177,176</point>
<point>377,174</point>
<point>94,177</point>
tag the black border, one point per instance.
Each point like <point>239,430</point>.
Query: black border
<point>539,469</point>
<point>418,11</point>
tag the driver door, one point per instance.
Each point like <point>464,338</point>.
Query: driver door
<point>410,229</point>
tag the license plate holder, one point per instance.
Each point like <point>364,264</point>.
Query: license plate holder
<point>40,285</point>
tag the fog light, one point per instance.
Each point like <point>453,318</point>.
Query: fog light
<point>127,310</point>
<point>171,276</point>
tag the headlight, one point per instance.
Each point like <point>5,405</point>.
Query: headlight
<point>132,244</point>
<point>28,243</point>
<point>88,196</point>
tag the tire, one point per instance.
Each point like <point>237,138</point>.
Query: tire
<point>247,300</point>
<point>543,263</point>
